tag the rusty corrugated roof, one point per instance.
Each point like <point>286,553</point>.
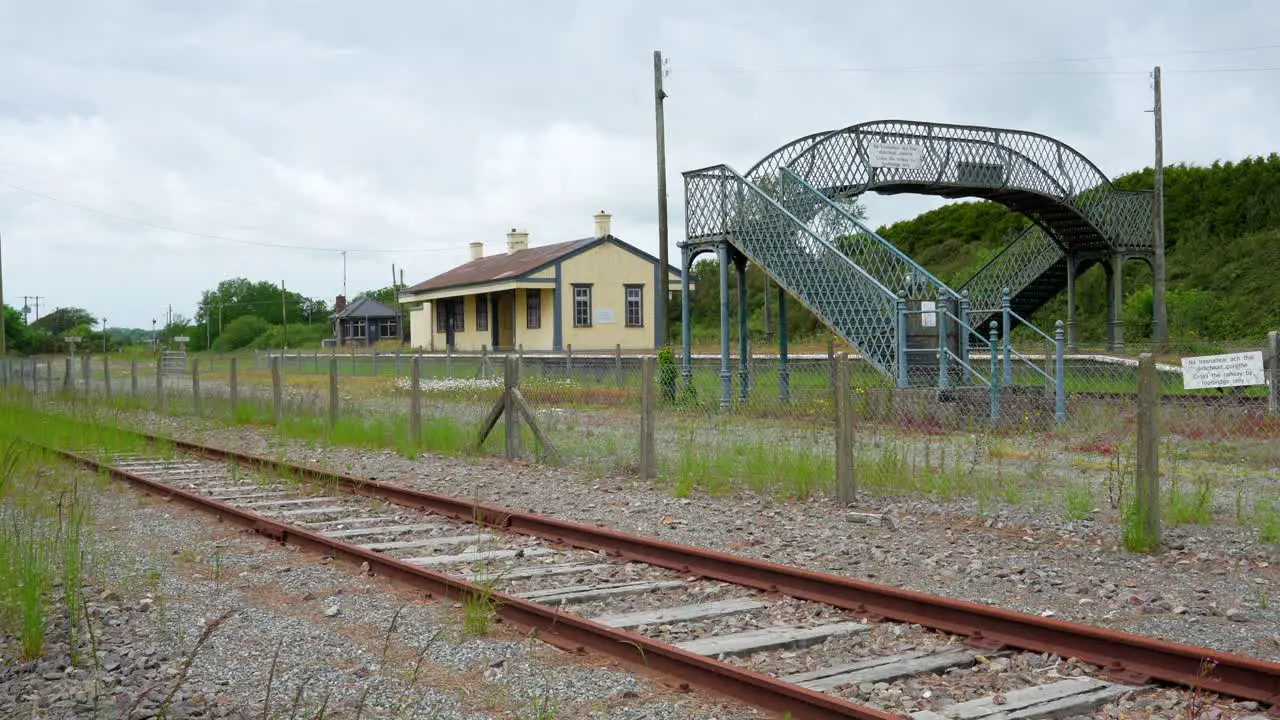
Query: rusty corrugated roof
<point>497,268</point>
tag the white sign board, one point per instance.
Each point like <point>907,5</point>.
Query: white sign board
<point>182,339</point>
<point>1219,371</point>
<point>604,316</point>
<point>72,339</point>
<point>897,156</point>
<point>929,316</point>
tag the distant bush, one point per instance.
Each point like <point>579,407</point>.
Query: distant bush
<point>240,333</point>
<point>297,336</point>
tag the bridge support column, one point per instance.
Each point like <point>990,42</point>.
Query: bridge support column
<point>726,378</point>
<point>686,332</point>
<point>1115,303</point>
<point>744,347</point>
<point>1071,303</point>
<point>784,372</point>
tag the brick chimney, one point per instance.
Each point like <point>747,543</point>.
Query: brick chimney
<point>603,222</point>
<point>340,303</point>
<point>477,250</point>
<point>517,240</point>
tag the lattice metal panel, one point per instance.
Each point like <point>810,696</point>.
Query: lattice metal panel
<point>803,262</point>
<point>878,257</point>
<point>1020,264</point>
<point>1028,171</point>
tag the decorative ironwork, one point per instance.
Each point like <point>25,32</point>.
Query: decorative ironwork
<point>801,257</point>
<point>1027,260</point>
<point>787,216</point>
<point>1047,180</point>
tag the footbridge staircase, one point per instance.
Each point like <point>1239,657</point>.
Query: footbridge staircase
<point>789,215</point>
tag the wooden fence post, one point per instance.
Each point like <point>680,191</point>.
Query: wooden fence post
<point>511,381</point>
<point>233,390</point>
<point>159,383</point>
<point>648,454</point>
<point>48,376</point>
<point>84,373</point>
<point>133,377</point>
<point>277,390</point>
<point>846,483</point>
<point>617,363</point>
<point>831,361</point>
<point>415,402</point>
<point>68,380</point>
<point>334,407</point>
<point>1273,350</point>
<point>1147,490</point>
<point>195,385</point>
<point>106,375</point>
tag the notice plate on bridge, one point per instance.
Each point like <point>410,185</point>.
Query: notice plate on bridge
<point>893,155</point>
<point>1219,371</point>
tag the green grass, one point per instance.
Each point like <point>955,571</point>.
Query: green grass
<point>45,526</point>
<point>1192,506</point>
<point>1078,499</point>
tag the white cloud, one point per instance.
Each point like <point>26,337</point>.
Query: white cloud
<point>421,126</point>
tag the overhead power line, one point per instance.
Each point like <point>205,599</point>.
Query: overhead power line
<point>970,67</point>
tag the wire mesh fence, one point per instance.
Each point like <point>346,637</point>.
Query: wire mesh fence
<point>794,426</point>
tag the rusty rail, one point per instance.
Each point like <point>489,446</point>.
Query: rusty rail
<point>1126,656</point>
<point>568,632</point>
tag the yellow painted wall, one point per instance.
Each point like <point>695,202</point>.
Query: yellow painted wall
<point>468,339</point>
<point>471,340</point>
<point>421,327</point>
<point>608,268</point>
<point>541,338</point>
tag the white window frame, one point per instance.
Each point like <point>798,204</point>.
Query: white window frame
<point>629,304</point>
<point>582,294</point>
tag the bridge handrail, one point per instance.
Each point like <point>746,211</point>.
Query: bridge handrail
<point>943,287</point>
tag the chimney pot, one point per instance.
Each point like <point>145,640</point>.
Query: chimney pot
<point>477,250</point>
<point>603,224</point>
<point>517,240</point>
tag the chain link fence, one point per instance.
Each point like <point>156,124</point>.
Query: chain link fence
<point>814,423</point>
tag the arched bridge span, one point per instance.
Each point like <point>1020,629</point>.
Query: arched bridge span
<point>786,215</point>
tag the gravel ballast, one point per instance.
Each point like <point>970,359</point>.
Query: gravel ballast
<point>1211,586</point>
<point>295,630</point>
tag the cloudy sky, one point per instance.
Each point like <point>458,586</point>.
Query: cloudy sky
<point>400,131</point>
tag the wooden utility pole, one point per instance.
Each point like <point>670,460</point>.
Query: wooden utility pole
<point>1160,319</point>
<point>284,315</point>
<point>664,276</point>
<point>4,340</point>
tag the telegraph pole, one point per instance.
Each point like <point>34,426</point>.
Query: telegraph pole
<point>664,281</point>
<point>1160,320</point>
<point>26,307</point>
<point>4,339</point>
<point>284,316</point>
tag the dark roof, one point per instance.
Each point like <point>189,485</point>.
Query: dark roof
<point>364,307</point>
<point>507,266</point>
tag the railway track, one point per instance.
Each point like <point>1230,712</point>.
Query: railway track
<point>784,639</point>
